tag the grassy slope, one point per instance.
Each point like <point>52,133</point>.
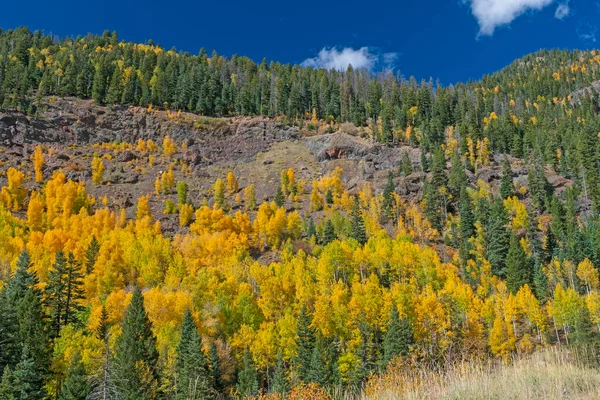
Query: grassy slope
<point>549,374</point>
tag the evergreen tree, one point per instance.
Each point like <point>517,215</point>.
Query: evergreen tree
<point>506,183</point>
<point>192,375</point>
<point>279,381</point>
<point>305,343</point>
<point>328,233</point>
<point>215,368</point>
<point>359,233</point>
<point>311,230</point>
<point>279,197</point>
<point>28,383</point>
<point>467,225</point>
<point>137,374</point>
<point>498,237</point>
<point>91,254</point>
<point>329,197</point>
<point>398,338</point>
<point>517,266</point>
<point>388,195</point>
<point>316,372</point>
<point>76,385</point>
<point>405,165</point>
<point>32,332</point>
<point>64,291</point>
<point>7,385</point>
<point>247,383</point>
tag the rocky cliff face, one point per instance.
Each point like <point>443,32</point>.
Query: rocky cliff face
<point>76,122</point>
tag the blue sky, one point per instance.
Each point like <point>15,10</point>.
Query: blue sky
<point>449,40</point>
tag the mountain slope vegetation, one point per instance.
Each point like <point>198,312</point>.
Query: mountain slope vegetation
<point>188,227</point>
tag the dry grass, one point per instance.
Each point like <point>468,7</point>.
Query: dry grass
<point>548,374</point>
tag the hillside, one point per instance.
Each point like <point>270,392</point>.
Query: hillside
<point>177,226</point>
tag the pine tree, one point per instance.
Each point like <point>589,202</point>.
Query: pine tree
<point>137,374</point>
<point>305,343</point>
<point>64,291</point>
<point>517,266</point>
<point>359,233</point>
<point>398,338</point>
<point>191,366</point>
<point>279,381</point>
<point>215,368</point>
<point>329,197</point>
<point>498,237</point>
<point>328,233</point>
<point>247,383</point>
<point>311,230</point>
<point>32,332</point>
<point>28,382</point>
<point>22,280</point>
<point>506,184</point>
<point>388,195</point>
<point>76,385</point>
<point>316,372</point>
<point>279,197</point>
<point>7,385</point>
<point>405,166</point>
<point>91,254</point>
<point>467,225</point>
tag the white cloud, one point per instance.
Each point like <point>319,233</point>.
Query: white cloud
<point>562,11</point>
<point>340,59</point>
<point>491,14</point>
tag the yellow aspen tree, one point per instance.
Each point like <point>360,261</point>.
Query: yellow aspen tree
<point>143,208</point>
<point>97,170</point>
<point>186,212</point>
<point>38,164</point>
<point>232,184</point>
<point>250,197</point>
<point>169,146</point>
<point>219,193</point>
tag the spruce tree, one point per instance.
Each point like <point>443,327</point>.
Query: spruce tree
<point>506,183</point>
<point>517,266</point>
<point>215,368</point>
<point>388,195</point>
<point>279,197</point>
<point>328,233</point>
<point>405,166</point>
<point>76,385</point>
<point>64,291</point>
<point>28,382</point>
<point>192,376</point>
<point>247,382</point>
<point>137,375</point>
<point>467,225</point>
<point>359,233</point>
<point>91,254</point>
<point>398,338</point>
<point>316,372</point>
<point>498,237</point>
<point>279,381</point>
<point>305,343</point>
<point>7,385</point>
<point>329,197</point>
<point>311,230</point>
<point>32,332</point>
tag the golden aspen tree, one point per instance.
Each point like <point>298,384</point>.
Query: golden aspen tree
<point>38,163</point>
<point>143,208</point>
<point>97,170</point>
<point>186,213</point>
<point>169,146</point>
<point>232,184</point>
<point>250,197</point>
<point>13,195</point>
<point>219,193</point>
